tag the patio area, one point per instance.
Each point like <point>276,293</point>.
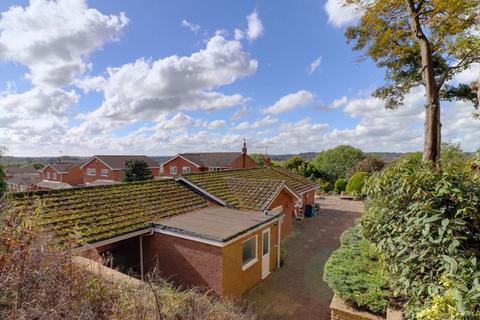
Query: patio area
<point>297,290</point>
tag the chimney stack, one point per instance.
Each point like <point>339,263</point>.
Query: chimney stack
<point>266,161</point>
<point>244,154</point>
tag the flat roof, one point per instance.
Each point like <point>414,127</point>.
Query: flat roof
<point>215,223</point>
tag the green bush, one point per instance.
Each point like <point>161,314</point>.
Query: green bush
<point>355,274</point>
<point>340,185</point>
<point>324,186</point>
<point>356,182</point>
<point>426,224</point>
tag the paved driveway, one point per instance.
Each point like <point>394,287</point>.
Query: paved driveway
<point>297,291</point>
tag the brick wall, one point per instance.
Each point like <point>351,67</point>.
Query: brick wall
<point>342,311</point>
<point>238,163</point>
<point>287,201</point>
<point>74,176</point>
<point>179,163</point>
<point>308,197</point>
<point>183,261</point>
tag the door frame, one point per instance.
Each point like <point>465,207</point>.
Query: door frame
<point>266,260</point>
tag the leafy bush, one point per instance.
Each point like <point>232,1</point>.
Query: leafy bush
<point>338,161</point>
<point>356,182</point>
<point>340,185</point>
<point>426,224</point>
<point>370,164</point>
<point>324,185</point>
<point>355,274</point>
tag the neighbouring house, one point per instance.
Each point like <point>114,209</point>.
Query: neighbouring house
<point>184,163</point>
<point>102,169</point>
<point>21,179</point>
<point>61,175</point>
<point>190,238</point>
<point>256,189</point>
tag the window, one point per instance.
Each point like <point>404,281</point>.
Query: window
<point>49,176</point>
<point>266,242</point>
<point>186,169</point>
<point>249,251</point>
<point>173,170</point>
<point>213,169</point>
<point>54,176</point>
<point>104,172</point>
<point>91,172</point>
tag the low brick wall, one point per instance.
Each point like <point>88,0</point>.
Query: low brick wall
<point>342,311</point>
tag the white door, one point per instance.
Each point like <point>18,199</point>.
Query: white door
<point>265,253</point>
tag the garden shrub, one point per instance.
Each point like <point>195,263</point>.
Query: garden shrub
<point>340,185</point>
<point>355,274</point>
<point>356,182</point>
<point>426,224</point>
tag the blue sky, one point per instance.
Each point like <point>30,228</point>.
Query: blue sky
<point>160,77</point>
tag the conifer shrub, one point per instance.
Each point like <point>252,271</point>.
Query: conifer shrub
<point>355,274</point>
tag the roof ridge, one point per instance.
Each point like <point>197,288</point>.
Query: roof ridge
<point>254,179</point>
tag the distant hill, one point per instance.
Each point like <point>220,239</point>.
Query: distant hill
<point>385,156</point>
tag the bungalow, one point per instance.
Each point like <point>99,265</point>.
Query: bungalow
<point>21,179</point>
<point>256,189</point>
<point>190,238</point>
<point>103,169</point>
<point>61,175</point>
<point>185,163</point>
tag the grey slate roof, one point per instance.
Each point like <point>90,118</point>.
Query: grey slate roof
<point>64,166</point>
<point>55,185</point>
<point>118,162</point>
<point>20,170</point>
<point>212,159</point>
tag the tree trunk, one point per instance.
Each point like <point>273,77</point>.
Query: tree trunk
<point>432,134</point>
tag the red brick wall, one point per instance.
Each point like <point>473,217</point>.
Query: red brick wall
<point>237,281</point>
<point>287,201</point>
<point>184,261</point>
<point>238,163</point>
<point>114,175</point>
<point>74,176</point>
<point>49,169</point>
<point>179,163</point>
<point>308,198</point>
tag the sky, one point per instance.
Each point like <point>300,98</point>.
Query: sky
<point>161,77</point>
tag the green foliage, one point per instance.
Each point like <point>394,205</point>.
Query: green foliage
<point>304,167</point>
<point>324,185</point>
<point>3,183</point>
<point>136,170</point>
<point>340,185</point>
<point>337,162</point>
<point>452,155</point>
<point>38,166</point>
<point>258,158</point>
<point>294,163</point>
<point>426,224</point>
<point>355,184</point>
<point>354,273</point>
<point>369,164</point>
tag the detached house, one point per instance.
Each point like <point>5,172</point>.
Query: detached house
<point>220,230</point>
<point>108,169</point>
<point>61,175</point>
<point>21,179</point>
<point>185,163</point>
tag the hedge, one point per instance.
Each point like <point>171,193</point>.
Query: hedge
<point>356,182</point>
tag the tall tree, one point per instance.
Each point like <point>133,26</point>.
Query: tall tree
<point>136,170</point>
<point>337,162</point>
<point>420,42</point>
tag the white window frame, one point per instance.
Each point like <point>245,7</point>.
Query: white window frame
<point>254,260</point>
<point>173,169</point>
<point>186,169</point>
<point>91,172</point>
<point>54,176</point>
<point>49,175</point>
<point>104,172</point>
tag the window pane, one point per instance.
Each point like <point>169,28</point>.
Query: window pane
<point>249,250</point>
<point>266,243</point>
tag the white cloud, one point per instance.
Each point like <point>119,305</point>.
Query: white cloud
<point>53,38</point>
<point>341,14</point>
<point>146,90</point>
<point>469,75</point>
<point>215,124</point>
<point>314,65</point>
<point>291,101</point>
<point>190,25</point>
<point>240,113</point>
<point>260,123</point>
<point>239,34</point>
<point>255,27</point>
<point>337,103</point>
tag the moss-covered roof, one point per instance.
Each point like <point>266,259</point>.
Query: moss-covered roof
<point>97,213</point>
<point>249,189</point>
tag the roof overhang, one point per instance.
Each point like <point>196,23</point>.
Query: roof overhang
<point>201,190</point>
<point>311,189</point>
<point>95,157</point>
<point>288,190</point>
<point>49,165</point>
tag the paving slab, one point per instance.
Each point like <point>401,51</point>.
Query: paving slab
<point>297,290</point>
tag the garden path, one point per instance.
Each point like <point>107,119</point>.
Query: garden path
<point>297,290</point>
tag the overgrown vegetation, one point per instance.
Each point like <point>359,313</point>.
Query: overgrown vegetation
<point>426,224</point>
<point>369,164</point>
<point>355,184</point>
<point>337,162</point>
<point>39,281</point>
<point>340,185</point>
<point>355,274</point>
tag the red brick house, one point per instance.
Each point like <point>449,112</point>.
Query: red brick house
<point>184,163</point>
<point>103,169</point>
<point>61,175</point>
<point>21,179</point>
